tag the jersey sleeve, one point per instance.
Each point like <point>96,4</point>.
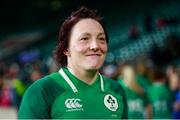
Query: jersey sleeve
<point>34,105</point>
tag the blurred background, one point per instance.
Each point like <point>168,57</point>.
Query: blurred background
<point>144,50</point>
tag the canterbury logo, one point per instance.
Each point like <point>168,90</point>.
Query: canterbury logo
<point>73,103</point>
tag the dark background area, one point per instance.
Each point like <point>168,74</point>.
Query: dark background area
<point>17,15</point>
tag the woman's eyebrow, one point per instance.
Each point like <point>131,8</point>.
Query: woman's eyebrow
<point>86,33</point>
<point>101,34</point>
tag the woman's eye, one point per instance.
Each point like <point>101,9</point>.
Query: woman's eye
<point>102,39</point>
<point>84,38</point>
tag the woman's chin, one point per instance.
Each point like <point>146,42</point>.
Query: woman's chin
<point>93,67</point>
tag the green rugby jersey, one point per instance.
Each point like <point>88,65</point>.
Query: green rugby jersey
<point>160,97</point>
<point>143,81</point>
<point>61,95</point>
<point>136,103</point>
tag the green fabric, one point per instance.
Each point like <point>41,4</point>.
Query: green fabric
<point>143,81</point>
<point>136,102</point>
<point>160,97</point>
<point>52,97</point>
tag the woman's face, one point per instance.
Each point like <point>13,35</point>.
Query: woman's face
<point>87,46</point>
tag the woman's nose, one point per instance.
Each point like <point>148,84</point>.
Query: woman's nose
<point>94,45</point>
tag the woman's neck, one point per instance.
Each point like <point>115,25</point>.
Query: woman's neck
<point>86,76</point>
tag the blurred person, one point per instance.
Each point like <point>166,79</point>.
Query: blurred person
<point>174,84</point>
<point>5,99</point>
<point>142,75</point>
<point>35,75</point>
<point>173,78</point>
<point>133,31</point>
<point>5,96</point>
<point>120,68</point>
<point>77,90</point>
<point>160,97</point>
<point>135,94</point>
<point>16,84</point>
<point>176,106</point>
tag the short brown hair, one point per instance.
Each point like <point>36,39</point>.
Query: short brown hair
<point>65,31</point>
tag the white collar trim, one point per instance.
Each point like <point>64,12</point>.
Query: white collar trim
<point>68,80</point>
<point>73,87</point>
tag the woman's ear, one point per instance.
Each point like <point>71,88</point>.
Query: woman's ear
<point>66,52</point>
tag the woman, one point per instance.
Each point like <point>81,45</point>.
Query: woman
<point>78,90</point>
<point>160,97</point>
<point>136,97</point>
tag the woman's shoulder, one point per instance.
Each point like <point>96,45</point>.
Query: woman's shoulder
<point>114,85</point>
<point>46,83</point>
<point>41,82</point>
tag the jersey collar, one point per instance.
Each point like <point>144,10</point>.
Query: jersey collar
<point>72,85</point>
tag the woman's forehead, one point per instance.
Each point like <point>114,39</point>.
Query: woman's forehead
<point>87,26</point>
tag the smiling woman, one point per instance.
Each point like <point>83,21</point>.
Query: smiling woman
<point>87,49</point>
<point>77,90</point>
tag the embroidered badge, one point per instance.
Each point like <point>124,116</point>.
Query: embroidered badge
<point>111,102</point>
